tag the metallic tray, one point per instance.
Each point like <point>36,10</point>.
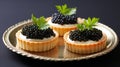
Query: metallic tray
<point>59,53</point>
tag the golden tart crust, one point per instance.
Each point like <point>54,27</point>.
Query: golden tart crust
<point>36,46</point>
<point>62,30</point>
<point>85,48</point>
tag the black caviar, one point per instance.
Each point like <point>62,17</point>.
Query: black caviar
<point>86,35</point>
<point>63,19</point>
<point>32,31</point>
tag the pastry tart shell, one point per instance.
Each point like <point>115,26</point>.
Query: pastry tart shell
<point>36,46</point>
<point>62,30</point>
<point>85,48</point>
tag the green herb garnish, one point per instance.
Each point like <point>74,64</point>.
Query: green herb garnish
<point>88,24</point>
<point>65,10</point>
<point>40,22</point>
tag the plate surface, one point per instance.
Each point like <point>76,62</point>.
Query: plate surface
<point>59,53</point>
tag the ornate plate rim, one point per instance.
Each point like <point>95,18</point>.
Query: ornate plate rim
<point>12,48</point>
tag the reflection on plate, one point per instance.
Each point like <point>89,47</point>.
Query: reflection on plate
<point>59,53</point>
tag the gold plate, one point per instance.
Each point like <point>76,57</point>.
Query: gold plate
<point>59,53</point>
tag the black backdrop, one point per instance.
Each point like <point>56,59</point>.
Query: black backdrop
<point>14,11</point>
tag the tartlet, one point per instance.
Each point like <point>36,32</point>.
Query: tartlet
<point>62,29</point>
<point>87,43</point>
<point>65,20</point>
<point>30,37</point>
<point>36,45</point>
<point>82,48</point>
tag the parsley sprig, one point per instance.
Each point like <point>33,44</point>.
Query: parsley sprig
<point>65,10</point>
<point>88,24</point>
<point>40,22</point>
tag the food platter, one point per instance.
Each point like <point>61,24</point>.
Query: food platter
<point>59,53</point>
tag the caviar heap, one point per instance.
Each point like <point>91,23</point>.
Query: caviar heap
<point>65,15</point>
<point>64,19</point>
<point>86,31</point>
<point>38,30</point>
<point>86,35</point>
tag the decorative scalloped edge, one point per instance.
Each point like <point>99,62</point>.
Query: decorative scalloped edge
<point>9,45</point>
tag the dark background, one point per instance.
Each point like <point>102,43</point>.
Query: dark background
<point>14,11</point>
